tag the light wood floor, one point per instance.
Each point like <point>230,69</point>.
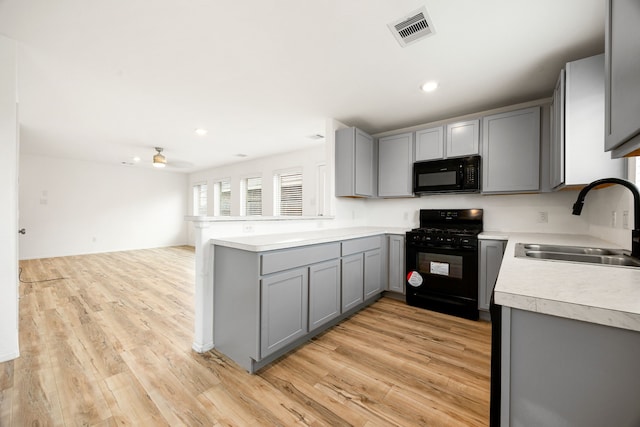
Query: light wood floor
<point>110,345</point>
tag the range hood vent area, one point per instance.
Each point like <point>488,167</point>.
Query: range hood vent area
<point>412,28</point>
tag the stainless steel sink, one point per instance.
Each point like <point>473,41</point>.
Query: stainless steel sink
<point>601,256</point>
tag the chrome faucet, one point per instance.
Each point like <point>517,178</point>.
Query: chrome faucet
<point>635,233</point>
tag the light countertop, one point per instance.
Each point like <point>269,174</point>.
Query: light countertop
<point>606,295</point>
<point>269,242</point>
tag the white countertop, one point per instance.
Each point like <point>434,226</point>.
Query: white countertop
<point>606,295</point>
<point>269,242</point>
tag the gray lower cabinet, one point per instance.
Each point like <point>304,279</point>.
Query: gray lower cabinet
<point>352,281</point>
<point>324,293</point>
<point>283,309</point>
<point>267,303</point>
<point>396,280</point>
<point>511,151</point>
<point>372,273</point>
<point>564,372</point>
<point>491,254</point>
<point>395,165</point>
<point>622,72</point>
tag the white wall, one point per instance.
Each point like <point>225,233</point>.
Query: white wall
<point>74,207</point>
<point>9,199</point>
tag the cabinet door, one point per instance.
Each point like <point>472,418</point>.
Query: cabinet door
<point>395,167</point>
<point>324,293</point>
<point>352,281</point>
<point>622,68</point>
<point>354,158</point>
<point>396,263</point>
<point>511,151</point>
<point>463,139</point>
<point>557,134</point>
<point>491,253</point>
<point>372,273</point>
<point>430,144</point>
<point>363,164</point>
<point>284,304</point>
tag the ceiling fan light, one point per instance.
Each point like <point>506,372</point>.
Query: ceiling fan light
<point>159,161</point>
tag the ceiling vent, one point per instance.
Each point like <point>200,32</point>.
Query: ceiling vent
<point>412,28</point>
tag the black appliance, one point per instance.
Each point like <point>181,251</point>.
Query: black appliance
<point>457,175</point>
<point>442,261</point>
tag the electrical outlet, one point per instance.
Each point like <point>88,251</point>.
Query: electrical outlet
<point>247,228</point>
<point>614,219</point>
<point>625,220</point>
<point>406,216</point>
<point>543,217</point>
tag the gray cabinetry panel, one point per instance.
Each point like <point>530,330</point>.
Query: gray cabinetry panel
<point>284,310</point>
<point>395,166</point>
<point>352,281</point>
<point>324,293</point>
<point>463,138</point>
<point>354,163</point>
<point>430,144</point>
<point>622,71</point>
<point>286,259</point>
<point>564,372</point>
<point>361,245</point>
<point>372,273</point>
<point>511,151</point>
<point>491,254</point>
<point>396,263</point>
<point>556,153</point>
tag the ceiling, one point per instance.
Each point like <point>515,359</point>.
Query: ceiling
<point>108,80</point>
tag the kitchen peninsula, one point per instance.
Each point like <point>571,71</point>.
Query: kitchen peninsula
<point>270,293</point>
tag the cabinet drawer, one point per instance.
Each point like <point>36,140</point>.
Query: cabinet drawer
<point>272,262</point>
<point>361,245</point>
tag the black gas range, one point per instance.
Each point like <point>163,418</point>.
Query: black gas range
<point>442,261</point>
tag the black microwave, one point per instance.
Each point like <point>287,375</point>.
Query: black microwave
<point>457,175</point>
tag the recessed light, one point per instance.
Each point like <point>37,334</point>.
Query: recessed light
<point>429,86</point>
<point>201,132</point>
<point>136,159</point>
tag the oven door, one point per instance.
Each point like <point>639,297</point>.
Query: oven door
<point>443,279</point>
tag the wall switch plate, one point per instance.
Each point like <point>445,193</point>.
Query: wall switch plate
<point>543,217</point>
<point>614,219</point>
<point>625,220</point>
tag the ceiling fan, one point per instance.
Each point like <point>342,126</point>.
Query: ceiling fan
<point>160,161</point>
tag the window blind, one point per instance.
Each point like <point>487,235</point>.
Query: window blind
<point>290,194</point>
<point>225,198</point>
<point>253,196</point>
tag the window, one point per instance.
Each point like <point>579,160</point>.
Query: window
<point>288,194</point>
<point>253,196</point>
<point>200,199</point>
<point>222,197</point>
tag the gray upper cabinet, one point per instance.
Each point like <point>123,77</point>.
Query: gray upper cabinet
<point>511,151</point>
<point>430,144</point>
<point>395,165</point>
<point>463,139</point>
<point>354,162</point>
<point>622,76</point>
<point>577,126</point>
